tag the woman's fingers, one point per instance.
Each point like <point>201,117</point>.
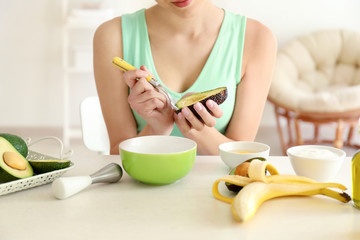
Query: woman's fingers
<point>214,108</point>
<point>144,68</point>
<point>206,116</point>
<point>140,87</point>
<point>191,119</point>
<point>186,119</point>
<point>144,98</point>
<point>131,77</point>
<point>182,123</point>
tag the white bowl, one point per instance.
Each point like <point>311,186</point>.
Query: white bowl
<point>235,153</point>
<point>318,162</point>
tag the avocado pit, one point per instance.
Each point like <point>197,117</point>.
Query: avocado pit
<point>14,160</point>
<point>242,169</point>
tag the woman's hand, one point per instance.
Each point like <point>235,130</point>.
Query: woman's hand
<point>186,121</point>
<point>148,102</point>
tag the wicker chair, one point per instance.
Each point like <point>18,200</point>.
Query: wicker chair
<point>317,81</point>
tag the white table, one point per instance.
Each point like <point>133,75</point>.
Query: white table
<point>183,210</point>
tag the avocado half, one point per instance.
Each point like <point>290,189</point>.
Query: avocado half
<point>8,172</point>
<point>49,165</point>
<point>18,143</point>
<point>218,95</point>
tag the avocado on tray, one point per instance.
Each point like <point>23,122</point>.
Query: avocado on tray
<point>218,95</point>
<point>48,165</point>
<point>15,166</point>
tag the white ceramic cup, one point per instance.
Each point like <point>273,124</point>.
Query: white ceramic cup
<point>318,162</point>
<point>235,153</point>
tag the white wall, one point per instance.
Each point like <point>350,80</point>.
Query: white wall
<point>31,40</point>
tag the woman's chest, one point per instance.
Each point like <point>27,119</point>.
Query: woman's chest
<point>179,61</point>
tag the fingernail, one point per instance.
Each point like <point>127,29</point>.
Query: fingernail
<point>180,116</point>
<point>210,103</point>
<point>185,111</point>
<point>197,106</point>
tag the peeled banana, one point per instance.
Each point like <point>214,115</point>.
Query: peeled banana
<point>257,188</point>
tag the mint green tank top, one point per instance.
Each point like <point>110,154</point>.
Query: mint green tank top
<point>222,68</point>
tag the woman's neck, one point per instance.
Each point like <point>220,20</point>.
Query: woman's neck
<point>193,21</point>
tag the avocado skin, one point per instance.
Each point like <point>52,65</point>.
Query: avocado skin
<point>18,143</point>
<point>233,187</point>
<point>218,98</point>
<point>6,177</point>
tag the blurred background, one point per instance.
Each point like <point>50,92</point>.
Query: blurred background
<point>46,54</point>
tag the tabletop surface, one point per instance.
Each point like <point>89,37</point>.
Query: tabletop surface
<point>182,210</point>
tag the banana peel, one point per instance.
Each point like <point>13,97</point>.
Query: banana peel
<point>258,188</point>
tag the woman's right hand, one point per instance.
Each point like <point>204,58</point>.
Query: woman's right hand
<point>148,102</point>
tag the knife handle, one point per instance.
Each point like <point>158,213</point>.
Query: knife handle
<point>125,66</point>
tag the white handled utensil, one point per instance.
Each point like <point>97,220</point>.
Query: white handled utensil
<point>65,187</point>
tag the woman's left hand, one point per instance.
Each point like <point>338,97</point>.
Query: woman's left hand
<point>187,121</point>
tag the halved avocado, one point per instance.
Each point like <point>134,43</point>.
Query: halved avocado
<point>13,165</point>
<point>43,166</point>
<point>218,95</point>
<point>240,170</point>
<point>18,143</point>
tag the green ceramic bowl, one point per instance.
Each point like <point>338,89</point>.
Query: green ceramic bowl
<point>158,160</point>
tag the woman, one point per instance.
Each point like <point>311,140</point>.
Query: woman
<point>189,46</point>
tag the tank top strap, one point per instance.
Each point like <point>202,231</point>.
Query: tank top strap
<point>135,39</point>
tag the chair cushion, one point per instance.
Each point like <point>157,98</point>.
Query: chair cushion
<point>319,72</point>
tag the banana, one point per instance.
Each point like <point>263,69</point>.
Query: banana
<point>253,195</point>
<point>257,188</point>
<point>234,179</point>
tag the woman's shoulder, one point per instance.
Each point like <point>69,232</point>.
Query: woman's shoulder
<point>258,32</point>
<point>108,27</point>
<point>108,33</point>
<point>259,40</point>
<point>260,43</point>
<point>255,31</point>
